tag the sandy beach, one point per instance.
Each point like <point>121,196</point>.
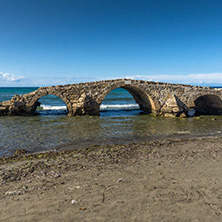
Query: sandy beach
<point>168,180</point>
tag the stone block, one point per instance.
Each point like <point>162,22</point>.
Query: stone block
<point>174,107</point>
<point>7,103</point>
<point>17,103</point>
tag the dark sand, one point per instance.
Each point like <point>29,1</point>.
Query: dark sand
<point>170,180</point>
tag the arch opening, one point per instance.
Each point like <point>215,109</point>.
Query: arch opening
<point>208,105</point>
<point>50,105</point>
<point>127,98</point>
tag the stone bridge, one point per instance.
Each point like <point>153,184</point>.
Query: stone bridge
<point>163,99</point>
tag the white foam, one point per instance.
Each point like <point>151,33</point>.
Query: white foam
<point>102,107</point>
<point>48,107</point>
<point>120,106</point>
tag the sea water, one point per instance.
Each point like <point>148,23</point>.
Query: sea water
<point>120,121</point>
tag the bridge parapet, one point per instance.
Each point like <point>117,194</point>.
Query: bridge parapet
<point>158,98</point>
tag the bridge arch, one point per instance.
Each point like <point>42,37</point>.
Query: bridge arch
<point>145,100</point>
<point>207,103</point>
<point>42,93</point>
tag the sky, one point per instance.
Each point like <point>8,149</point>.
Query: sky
<point>50,42</point>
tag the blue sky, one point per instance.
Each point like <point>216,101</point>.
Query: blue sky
<point>49,42</point>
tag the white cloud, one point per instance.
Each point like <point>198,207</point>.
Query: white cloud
<point>211,79</point>
<point>199,79</point>
<point>193,79</point>
<point>58,81</point>
<point>10,77</point>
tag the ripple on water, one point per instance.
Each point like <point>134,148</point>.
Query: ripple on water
<point>39,133</point>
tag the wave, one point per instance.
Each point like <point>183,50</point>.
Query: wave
<point>102,107</point>
<point>48,107</point>
<point>118,98</point>
<point>120,106</point>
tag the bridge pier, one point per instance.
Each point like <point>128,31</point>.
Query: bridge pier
<point>85,105</point>
<point>174,107</point>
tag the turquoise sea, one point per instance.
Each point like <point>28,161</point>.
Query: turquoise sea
<point>120,121</point>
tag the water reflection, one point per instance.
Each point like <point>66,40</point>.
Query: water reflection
<point>40,133</point>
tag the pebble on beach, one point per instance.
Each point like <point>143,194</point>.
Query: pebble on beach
<point>73,202</point>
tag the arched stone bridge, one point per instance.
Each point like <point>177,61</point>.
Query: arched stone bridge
<point>153,97</point>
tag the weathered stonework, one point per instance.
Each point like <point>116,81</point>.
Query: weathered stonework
<point>153,97</point>
<point>174,107</point>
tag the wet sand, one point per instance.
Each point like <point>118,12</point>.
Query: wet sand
<point>168,180</point>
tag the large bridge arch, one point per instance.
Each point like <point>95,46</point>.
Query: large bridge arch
<point>144,99</point>
<point>41,93</point>
<point>206,103</point>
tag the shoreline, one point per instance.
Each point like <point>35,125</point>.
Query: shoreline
<point>165,180</point>
<point>23,154</point>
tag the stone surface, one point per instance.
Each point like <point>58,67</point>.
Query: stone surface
<point>174,107</point>
<point>162,99</point>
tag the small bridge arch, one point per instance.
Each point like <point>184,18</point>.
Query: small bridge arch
<point>42,93</point>
<point>206,103</point>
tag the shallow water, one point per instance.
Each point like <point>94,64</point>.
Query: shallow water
<point>120,122</point>
<point>40,133</point>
